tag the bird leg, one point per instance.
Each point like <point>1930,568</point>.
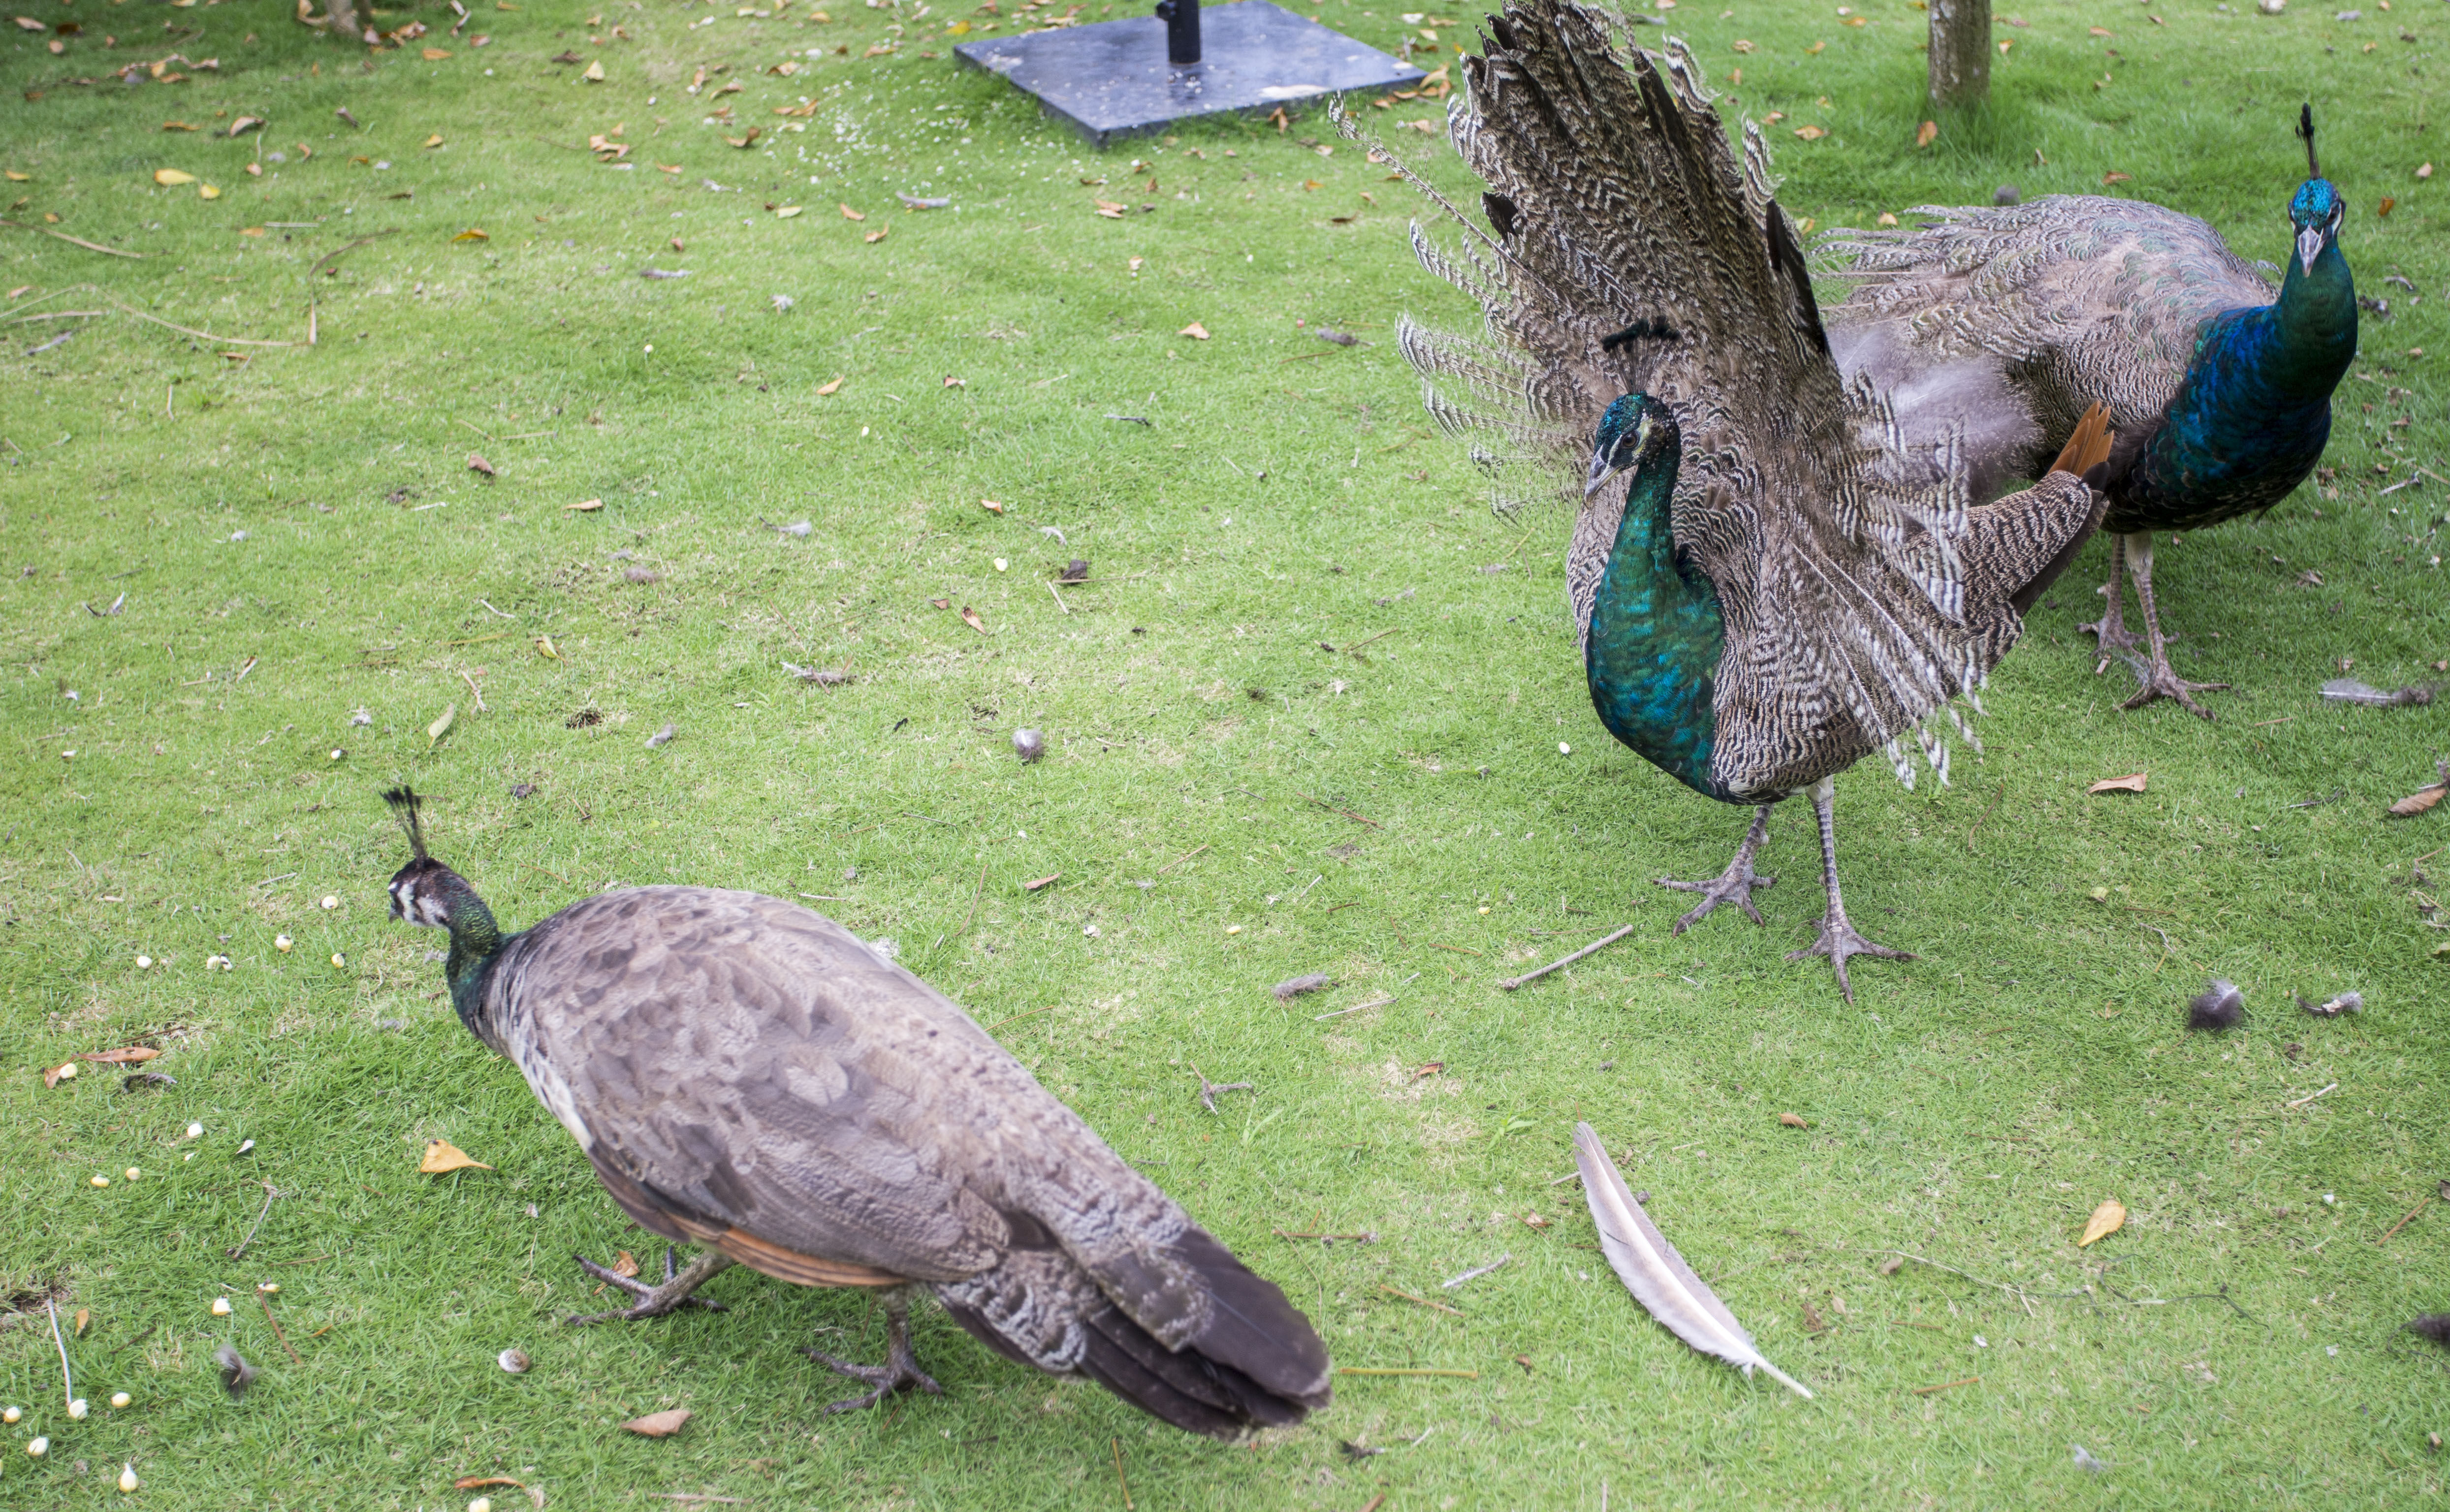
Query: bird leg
<point>2110,630</point>
<point>1734,885</point>
<point>1837,936</point>
<point>654,1301</point>
<point>900,1366</point>
<point>2158,679</point>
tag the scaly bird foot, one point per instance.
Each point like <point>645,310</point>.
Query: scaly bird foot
<point>1839,941</point>
<point>900,1372</point>
<point>1734,885</point>
<point>2159,680</point>
<point>654,1301</point>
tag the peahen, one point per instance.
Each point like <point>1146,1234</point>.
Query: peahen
<point>746,1074</point>
<point>1768,588</point>
<point>2011,321</point>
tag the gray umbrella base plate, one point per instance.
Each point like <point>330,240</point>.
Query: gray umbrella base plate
<point>1111,80</point>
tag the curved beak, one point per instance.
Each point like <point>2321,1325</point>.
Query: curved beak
<point>2309,247</point>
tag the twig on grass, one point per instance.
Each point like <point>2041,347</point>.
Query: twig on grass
<point>1460,1375</point>
<point>1512,982</point>
<point>1436,1307</point>
<point>1208,1090</point>
<point>2018,1292</point>
<point>1119,1478</point>
<point>2402,1223</point>
<point>66,1386</point>
<point>1178,860</point>
<point>1335,808</point>
<point>270,1192</point>
<point>1476,1273</point>
<point>1947,1386</point>
<point>266,1304</point>
<point>2309,1098</point>
<point>90,246</point>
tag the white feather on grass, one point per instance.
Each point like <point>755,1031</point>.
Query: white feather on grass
<point>1655,1275</point>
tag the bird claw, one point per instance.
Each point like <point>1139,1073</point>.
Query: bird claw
<point>653,1301</point>
<point>1734,885</point>
<point>1839,941</point>
<point>2159,680</point>
<point>898,1373</point>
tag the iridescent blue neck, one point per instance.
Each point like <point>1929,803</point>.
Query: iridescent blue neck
<point>1655,637</point>
<point>2254,413</point>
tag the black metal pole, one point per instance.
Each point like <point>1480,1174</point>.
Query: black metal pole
<point>1181,19</point>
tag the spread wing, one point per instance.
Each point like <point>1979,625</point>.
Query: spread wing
<point>1629,250</point>
<point>2093,298</point>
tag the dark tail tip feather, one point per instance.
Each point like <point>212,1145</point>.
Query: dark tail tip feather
<point>1253,1329</point>
<point>404,801</point>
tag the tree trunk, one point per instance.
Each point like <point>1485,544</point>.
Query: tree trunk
<point>1960,51</point>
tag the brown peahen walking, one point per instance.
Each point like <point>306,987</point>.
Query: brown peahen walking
<point>1769,586</point>
<point>2008,322</point>
<point>748,1075</point>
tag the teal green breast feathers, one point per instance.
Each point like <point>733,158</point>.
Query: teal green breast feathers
<point>1656,631</point>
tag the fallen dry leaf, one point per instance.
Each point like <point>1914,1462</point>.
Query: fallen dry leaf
<point>2115,177</point>
<point>829,388</point>
<point>2133,784</point>
<point>471,1483</point>
<point>2105,1220</point>
<point>131,1055</point>
<point>434,141</point>
<point>849,214</point>
<point>586,506</point>
<point>2423,798</point>
<point>594,73</point>
<point>177,126</point>
<point>2425,172</point>
<point>441,725</point>
<point>785,212</point>
<point>1047,881</point>
<point>1926,133</point>
<point>1810,133</point>
<point>437,54</point>
<point>952,383</point>
<point>172,178</point>
<point>207,192</point>
<point>441,1156</point>
<point>546,648</point>
<point>473,234</point>
<point>625,1264</point>
<point>2386,205</point>
<point>990,506</point>
<point>476,463</point>
<point>658,1425</point>
<point>29,24</point>
<point>970,617</point>
<point>1110,209</point>
<point>754,132</point>
<point>83,1321</point>
<point>1195,330</point>
<point>1793,1121</point>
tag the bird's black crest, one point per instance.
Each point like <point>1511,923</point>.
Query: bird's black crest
<point>2306,130</point>
<point>2433,1326</point>
<point>404,803</point>
<point>2218,1006</point>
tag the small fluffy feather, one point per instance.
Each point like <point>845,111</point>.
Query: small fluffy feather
<point>2433,1326</point>
<point>1288,991</point>
<point>2218,1006</point>
<point>237,1375</point>
<point>2346,1002</point>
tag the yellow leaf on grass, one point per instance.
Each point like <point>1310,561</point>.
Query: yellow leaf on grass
<point>1815,47</point>
<point>1793,1121</point>
<point>437,54</point>
<point>849,214</point>
<point>1926,133</point>
<point>829,388</point>
<point>15,177</point>
<point>624,1264</point>
<point>546,648</point>
<point>2131,784</point>
<point>658,1425</point>
<point>1810,133</point>
<point>1195,330</point>
<point>83,1321</point>
<point>2105,1220</point>
<point>205,191</point>
<point>586,506</point>
<point>594,73</point>
<point>970,617</point>
<point>434,141</point>
<point>178,125</point>
<point>252,230</point>
<point>874,237</point>
<point>441,1156</point>
<point>787,212</point>
<point>172,178</point>
<point>441,725</point>
<point>473,234</point>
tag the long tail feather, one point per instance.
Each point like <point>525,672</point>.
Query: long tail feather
<point>1655,1275</point>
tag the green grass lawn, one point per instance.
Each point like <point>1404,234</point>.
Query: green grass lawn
<point>298,537</point>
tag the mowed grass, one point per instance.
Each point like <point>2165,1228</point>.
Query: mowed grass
<point>1227,802</point>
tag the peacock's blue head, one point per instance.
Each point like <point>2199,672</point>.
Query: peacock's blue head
<point>1636,431</point>
<point>2316,212</point>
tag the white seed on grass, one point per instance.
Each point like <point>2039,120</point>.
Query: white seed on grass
<point>338,753</point>
<point>79,1407</point>
<point>339,959</point>
<point>128,1481</point>
<point>38,1447</point>
<point>515,1361</point>
<point>102,1181</point>
<point>283,943</point>
<point>1564,749</point>
<point>246,1145</point>
<point>135,1172</point>
<point>485,1503</point>
<point>1000,564</point>
<point>68,1071</point>
<point>12,1414</point>
<point>143,963</point>
<point>268,1288</point>
<point>221,1306</point>
<point>195,1130</point>
<point>331,902</point>
<point>120,1399</point>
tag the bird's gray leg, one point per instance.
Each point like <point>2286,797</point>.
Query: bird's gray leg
<point>1734,885</point>
<point>1837,936</point>
<point>654,1301</point>
<point>900,1366</point>
<point>2110,630</point>
<point>2158,678</point>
